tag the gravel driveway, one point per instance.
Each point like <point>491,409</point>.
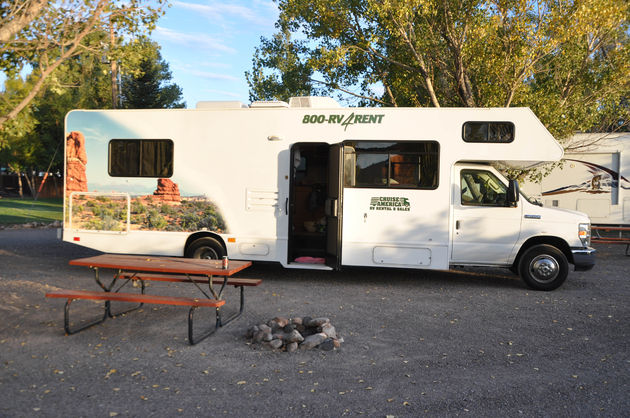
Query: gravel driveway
<point>474,343</point>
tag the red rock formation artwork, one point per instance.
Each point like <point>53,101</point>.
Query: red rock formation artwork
<point>76,160</point>
<point>167,191</point>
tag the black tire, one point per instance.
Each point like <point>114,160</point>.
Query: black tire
<point>206,247</point>
<point>543,267</point>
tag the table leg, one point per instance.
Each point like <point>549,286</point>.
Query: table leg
<point>109,287</point>
<point>191,339</point>
<point>216,295</point>
<point>240,309</point>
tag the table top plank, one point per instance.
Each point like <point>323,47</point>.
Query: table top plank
<point>162,264</point>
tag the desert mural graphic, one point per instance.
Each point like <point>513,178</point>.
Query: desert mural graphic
<point>166,209</point>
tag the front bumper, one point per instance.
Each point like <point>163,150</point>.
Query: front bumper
<point>583,258</point>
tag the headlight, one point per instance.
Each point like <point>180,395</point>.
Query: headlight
<point>584,233</point>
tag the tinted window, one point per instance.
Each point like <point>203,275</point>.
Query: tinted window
<point>482,188</point>
<point>497,132</point>
<point>409,165</point>
<point>141,158</point>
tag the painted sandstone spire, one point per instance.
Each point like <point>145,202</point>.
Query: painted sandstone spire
<point>167,191</point>
<point>76,180</point>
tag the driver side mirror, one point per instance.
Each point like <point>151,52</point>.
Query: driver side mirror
<point>513,194</point>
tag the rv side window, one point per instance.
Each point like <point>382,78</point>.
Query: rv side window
<point>141,158</point>
<point>496,132</point>
<point>407,165</point>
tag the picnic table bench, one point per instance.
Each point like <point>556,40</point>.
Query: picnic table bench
<point>620,239</point>
<point>168,269</point>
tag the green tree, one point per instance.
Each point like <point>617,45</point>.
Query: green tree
<point>35,138</point>
<point>568,61</point>
<point>41,36</point>
<point>292,75</point>
<point>148,87</point>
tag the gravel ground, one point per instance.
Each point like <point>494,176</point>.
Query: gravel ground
<point>473,343</point>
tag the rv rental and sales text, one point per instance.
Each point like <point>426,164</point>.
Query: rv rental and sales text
<point>313,185</point>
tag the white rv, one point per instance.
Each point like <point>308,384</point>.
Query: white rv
<point>310,184</point>
<point>594,178</point>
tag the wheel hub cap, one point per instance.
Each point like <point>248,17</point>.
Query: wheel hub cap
<point>544,268</point>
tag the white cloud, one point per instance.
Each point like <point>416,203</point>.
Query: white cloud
<point>194,71</point>
<point>223,93</point>
<point>218,11</point>
<point>193,40</point>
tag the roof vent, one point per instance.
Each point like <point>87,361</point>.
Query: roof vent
<point>221,105</point>
<point>313,102</point>
<point>269,104</point>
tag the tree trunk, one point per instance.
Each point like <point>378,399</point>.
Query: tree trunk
<point>29,182</point>
<point>20,186</point>
<point>113,66</point>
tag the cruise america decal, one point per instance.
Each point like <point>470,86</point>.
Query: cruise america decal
<point>400,204</point>
<point>343,120</point>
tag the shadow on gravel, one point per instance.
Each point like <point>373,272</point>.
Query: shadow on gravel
<point>364,276</point>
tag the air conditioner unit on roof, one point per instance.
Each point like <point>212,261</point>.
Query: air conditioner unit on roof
<point>313,102</point>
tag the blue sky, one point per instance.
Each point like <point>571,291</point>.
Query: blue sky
<point>209,45</point>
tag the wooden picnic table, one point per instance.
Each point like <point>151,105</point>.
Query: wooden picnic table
<point>138,268</point>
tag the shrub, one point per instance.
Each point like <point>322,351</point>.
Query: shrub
<point>137,207</point>
<point>155,220</point>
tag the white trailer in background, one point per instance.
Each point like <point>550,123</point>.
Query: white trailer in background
<point>594,179</point>
<point>310,184</point>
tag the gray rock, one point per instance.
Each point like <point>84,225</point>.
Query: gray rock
<point>313,341</point>
<point>317,322</point>
<point>276,344</point>
<point>278,336</point>
<point>296,321</point>
<point>329,330</point>
<point>267,336</point>
<point>308,331</point>
<point>258,336</point>
<point>327,345</point>
<point>264,328</point>
<point>288,328</point>
<point>281,321</point>
<point>292,347</point>
<point>294,337</point>
<point>306,320</point>
<point>251,331</point>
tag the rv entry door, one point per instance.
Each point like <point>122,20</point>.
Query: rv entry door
<point>314,205</point>
<point>333,206</point>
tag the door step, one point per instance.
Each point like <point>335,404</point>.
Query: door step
<point>307,266</point>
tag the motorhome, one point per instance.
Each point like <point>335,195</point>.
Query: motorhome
<point>313,185</point>
<point>593,177</point>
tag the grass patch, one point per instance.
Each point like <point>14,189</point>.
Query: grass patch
<point>20,211</point>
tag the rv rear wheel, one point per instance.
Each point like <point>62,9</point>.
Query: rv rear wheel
<point>543,267</point>
<point>205,248</point>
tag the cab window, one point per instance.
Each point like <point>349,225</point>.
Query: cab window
<point>482,188</point>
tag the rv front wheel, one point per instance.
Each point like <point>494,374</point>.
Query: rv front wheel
<point>543,267</point>
<point>205,248</point>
